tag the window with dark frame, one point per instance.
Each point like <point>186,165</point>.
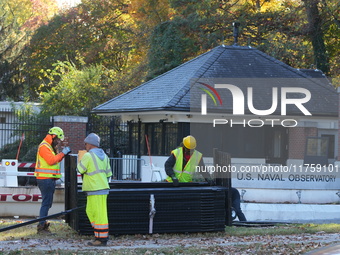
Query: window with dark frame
<point>331,145</point>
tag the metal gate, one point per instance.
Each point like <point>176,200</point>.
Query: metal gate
<point>20,127</point>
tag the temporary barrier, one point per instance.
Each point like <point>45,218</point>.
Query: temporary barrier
<point>15,174</point>
<point>26,180</point>
<point>140,207</point>
<point>26,165</point>
<point>11,174</point>
<point>8,170</point>
<point>193,208</point>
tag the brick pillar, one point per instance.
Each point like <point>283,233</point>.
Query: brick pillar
<point>74,128</point>
<point>297,141</point>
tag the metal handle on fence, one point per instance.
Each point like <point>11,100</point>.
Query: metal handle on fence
<point>152,213</point>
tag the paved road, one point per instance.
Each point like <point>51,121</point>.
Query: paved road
<point>328,250</point>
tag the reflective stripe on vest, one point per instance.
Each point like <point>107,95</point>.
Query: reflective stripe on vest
<point>97,171</point>
<point>96,174</point>
<point>43,169</point>
<point>185,174</point>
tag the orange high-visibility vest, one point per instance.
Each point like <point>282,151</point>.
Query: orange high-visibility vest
<point>42,169</point>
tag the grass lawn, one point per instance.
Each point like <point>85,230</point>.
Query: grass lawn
<point>278,239</point>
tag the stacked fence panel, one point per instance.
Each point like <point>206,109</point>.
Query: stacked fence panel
<point>183,209</point>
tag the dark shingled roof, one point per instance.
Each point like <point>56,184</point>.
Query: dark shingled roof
<point>242,66</point>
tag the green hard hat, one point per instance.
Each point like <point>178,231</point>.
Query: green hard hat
<point>58,132</point>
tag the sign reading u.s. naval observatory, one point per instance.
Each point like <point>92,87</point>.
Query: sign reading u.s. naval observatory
<point>269,176</point>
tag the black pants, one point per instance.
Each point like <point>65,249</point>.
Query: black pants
<point>237,204</point>
<point>238,211</point>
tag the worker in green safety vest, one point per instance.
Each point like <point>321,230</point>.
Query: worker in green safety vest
<point>183,162</point>
<point>95,168</point>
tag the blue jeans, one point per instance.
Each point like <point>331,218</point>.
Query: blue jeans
<point>47,188</point>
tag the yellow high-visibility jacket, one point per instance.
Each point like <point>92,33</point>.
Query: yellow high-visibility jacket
<point>185,174</point>
<point>95,172</point>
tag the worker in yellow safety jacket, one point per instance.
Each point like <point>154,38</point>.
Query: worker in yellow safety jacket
<point>96,170</point>
<point>47,171</point>
<point>183,162</point>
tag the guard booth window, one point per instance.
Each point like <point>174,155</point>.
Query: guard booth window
<point>316,151</point>
<point>331,145</point>
<point>153,132</point>
<point>276,140</point>
<point>161,137</point>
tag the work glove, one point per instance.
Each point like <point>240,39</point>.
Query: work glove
<point>66,150</point>
<point>174,181</point>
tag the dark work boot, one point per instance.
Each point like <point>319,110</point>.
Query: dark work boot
<point>98,242</point>
<point>44,229</point>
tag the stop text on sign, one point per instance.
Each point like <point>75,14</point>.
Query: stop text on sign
<point>20,197</point>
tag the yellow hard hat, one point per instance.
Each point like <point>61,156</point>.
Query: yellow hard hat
<point>189,142</point>
<point>58,132</point>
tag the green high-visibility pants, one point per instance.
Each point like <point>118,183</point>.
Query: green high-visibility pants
<point>96,210</point>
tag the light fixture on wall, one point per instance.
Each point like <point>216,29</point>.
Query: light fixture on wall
<point>242,194</point>
<point>298,193</point>
<point>338,193</point>
<point>162,120</point>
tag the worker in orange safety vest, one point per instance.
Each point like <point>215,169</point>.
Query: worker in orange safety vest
<point>47,171</point>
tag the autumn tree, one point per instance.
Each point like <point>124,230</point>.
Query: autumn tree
<point>18,19</point>
<point>316,34</point>
<point>94,37</point>
<point>98,32</point>
<point>192,28</point>
<point>75,91</point>
<point>291,31</point>
<point>140,39</point>
<point>331,27</point>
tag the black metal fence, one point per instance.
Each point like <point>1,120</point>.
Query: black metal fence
<point>21,131</point>
<point>113,132</point>
<point>137,138</point>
